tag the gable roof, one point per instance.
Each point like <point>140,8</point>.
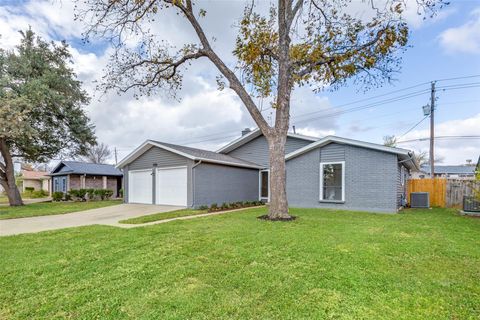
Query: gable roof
<point>189,153</point>
<point>77,167</point>
<point>255,134</point>
<point>34,175</point>
<point>406,156</point>
<point>450,169</point>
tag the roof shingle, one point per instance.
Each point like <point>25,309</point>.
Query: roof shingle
<point>207,155</point>
<point>77,167</point>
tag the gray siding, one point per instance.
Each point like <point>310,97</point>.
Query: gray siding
<point>217,184</point>
<point>370,179</point>
<point>163,159</point>
<point>332,152</point>
<point>256,151</point>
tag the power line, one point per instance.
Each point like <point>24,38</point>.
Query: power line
<point>367,106</point>
<point>459,85</point>
<point>441,138</point>
<point>341,112</point>
<point>464,87</point>
<point>416,125</point>
<point>458,78</point>
<point>219,138</point>
<point>361,100</point>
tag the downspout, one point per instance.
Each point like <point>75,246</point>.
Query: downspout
<point>193,182</point>
<point>410,159</point>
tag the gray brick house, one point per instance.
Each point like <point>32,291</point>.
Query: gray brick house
<point>331,172</point>
<point>68,175</point>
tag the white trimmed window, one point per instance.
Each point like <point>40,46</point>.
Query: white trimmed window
<point>332,181</point>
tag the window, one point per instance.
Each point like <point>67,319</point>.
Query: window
<point>332,181</point>
<point>264,185</point>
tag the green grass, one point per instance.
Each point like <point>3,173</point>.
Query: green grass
<point>49,208</point>
<point>163,216</point>
<point>422,264</point>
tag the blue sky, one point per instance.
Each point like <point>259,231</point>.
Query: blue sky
<point>444,47</point>
<point>427,60</point>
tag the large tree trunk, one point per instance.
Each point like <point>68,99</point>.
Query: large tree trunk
<point>7,176</point>
<point>278,209</point>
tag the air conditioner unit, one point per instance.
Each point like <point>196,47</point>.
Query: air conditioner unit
<point>419,200</point>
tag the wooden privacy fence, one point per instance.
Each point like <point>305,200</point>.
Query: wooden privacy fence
<point>457,189</point>
<point>435,187</point>
<point>444,192</point>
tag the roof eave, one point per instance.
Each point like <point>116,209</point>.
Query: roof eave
<point>240,141</point>
<point>233,164</point>
<point>143,147</point>
<point>254,134</point>
<point>149,143</point>
<point>333,139</point>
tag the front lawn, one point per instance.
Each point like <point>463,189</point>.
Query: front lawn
<point>422,264</point>
<point>163,216</point>
<point>49,208</point>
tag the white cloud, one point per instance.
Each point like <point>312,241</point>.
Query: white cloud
<point>417,18</point>
<point>454,151</point>
<point>464,38</point>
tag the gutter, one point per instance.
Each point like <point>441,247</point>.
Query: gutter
<point>410,154</point>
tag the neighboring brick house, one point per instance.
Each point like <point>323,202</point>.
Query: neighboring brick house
<point>38,180</point>
<point>69,175</point>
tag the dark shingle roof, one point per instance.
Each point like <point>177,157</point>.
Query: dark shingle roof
<point>450,169</point>
<point>77,167</point>
<point>207,155</point>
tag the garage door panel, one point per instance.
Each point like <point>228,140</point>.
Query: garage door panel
<point>172,186</point>
<point>140,187</point>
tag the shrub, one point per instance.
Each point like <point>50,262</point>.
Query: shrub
<point>204,207</point>
<point>108,194</point>
<point>224,205</point>
<point>103,194</point>
<point>57,196</point>
<point>91,194</point>
<point>68,197</point>
<point>39,194</point>
<point>78,194</point>
<point>213,207</point>
<point>120,193</point>
<point>29,189</point>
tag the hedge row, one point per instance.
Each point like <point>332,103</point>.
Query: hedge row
<point>229,206</point>
<point>83,195</point>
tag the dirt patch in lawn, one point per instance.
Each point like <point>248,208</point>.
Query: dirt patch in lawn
<point>266,217</point>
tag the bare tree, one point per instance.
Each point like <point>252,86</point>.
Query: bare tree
<point>98,153</point>
<point>297,42</point>
<point>390,141</point>
<point>422,158</point>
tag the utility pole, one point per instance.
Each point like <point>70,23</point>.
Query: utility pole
<point>115,151</point>
<point>432,131</point>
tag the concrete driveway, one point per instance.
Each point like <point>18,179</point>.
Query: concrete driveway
<point>106,216</point>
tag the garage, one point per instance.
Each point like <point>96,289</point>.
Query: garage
<point>140,186</point>
<point>167,174</point>
<point>171,186</point>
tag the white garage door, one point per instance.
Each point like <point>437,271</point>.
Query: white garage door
<point>140,186</point>
<point>172,186</point>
